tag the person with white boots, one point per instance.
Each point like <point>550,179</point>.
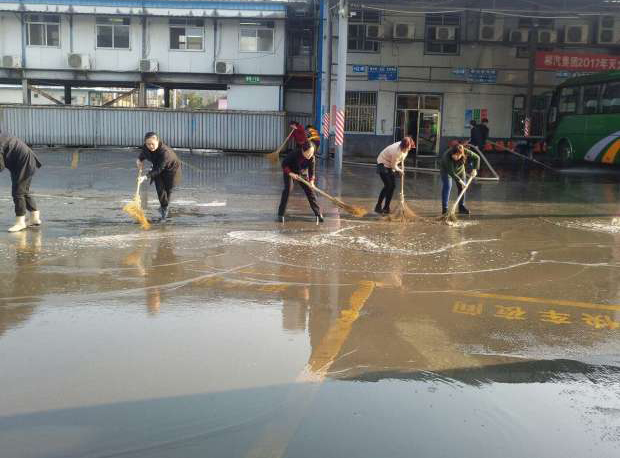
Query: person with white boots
<point>21,161</point>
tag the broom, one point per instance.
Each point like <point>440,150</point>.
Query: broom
<point>275,156</point>
<point>402,213</point>
<point>134,208</point>
<point>352,209</point>
<point>450,217</point>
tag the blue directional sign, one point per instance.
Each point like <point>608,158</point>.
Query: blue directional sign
<point>378,73</point>
<point>359,69</point>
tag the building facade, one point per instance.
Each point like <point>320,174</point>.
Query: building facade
<point>238,46</point>
<point>413,69</point>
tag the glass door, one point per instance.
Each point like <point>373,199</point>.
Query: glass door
<point>428,129</point>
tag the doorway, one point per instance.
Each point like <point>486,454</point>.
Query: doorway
<point>419,116</point>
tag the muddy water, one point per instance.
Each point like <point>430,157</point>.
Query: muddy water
<point>223,333</point>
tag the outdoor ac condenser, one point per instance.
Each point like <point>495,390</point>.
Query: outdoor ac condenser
<point>547,37</point>
<point>402,31</point>
<point>224,68</point>
<point>374,31</point>
<point>520,36</point>
<point>444,33</point>
<point>491,27</point>
<point>11,61</point>
<point>149,65</point>
<point>79,61</point>
<point>607,30</point>
<point>576,34</point>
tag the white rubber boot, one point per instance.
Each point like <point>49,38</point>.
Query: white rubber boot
<point>35,218</point>
<point>20,224</point>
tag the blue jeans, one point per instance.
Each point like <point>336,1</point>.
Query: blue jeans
<point>446,181</point>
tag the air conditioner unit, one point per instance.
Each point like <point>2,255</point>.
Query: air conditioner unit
<point>520,36</point>
<point>607,30</point>
<point>223,68</point>
<point>374,31</point>
<point>79,61</point>
<point>547,37</point>
<point>491,28</point>
<point>149,65</point>
<point>11,61</point>
<point>444,33</point>
<point>576,34</point>
<point>403,32</point>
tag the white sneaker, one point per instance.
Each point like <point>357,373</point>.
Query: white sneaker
<point>20,224</point>
<point>35,218</point>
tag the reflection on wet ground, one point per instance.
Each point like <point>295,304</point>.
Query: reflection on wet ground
<point>224,333</point>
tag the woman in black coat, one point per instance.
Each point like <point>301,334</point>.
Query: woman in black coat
<point>166,171</point>
<point>21,161</point>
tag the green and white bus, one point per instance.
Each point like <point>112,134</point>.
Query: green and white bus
<point>583,122</point>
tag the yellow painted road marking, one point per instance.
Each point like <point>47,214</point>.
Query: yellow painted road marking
<point>276,436</point>
<point>538,300</point>
<point>610,155</point>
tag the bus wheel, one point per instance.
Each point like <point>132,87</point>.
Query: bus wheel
<point>565,153</point>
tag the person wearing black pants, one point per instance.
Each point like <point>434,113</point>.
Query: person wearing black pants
<point>21,161</point>
<point>166,171</point>
<point>294,164</point>
<point>391,159</point>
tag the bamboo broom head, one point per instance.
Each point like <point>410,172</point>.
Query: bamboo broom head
<point>134,209</point>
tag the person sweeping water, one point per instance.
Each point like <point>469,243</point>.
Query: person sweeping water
<point>452,167</point>
<point>21,161</point>
<point>390,160</point>
<point>166,171</point>
<point>296,164</point>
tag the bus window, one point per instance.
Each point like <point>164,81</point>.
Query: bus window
<point>610,102</point>
<point>568,100</point>
<point>590,99</point>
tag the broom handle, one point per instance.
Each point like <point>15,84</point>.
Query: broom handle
<point>284,142</point>
<point>323,193</point>
<point>402,186</point>
<point>138,182</point>
<point>524,157</point>
<point>458,199</point>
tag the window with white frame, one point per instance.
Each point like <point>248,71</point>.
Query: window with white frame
<point>113,32</point>
<point>360,111</point>
<point>256,36</point>
<point>187,34</point>
<point>43,30</point>
<point>363,25</point>
<point>442,33</point>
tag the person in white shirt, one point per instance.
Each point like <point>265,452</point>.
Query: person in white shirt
<point>390,160</point>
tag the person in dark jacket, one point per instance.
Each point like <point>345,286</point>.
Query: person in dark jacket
<point>453,168</point>
<point>475,135</point>
<point>21,161</point>
<point>166,171</point>
<point>484,133</point>
<point>294,164</point>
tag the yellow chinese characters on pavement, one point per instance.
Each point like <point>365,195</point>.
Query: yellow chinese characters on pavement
<point>599,321</point>
<point>596,321</point>
<point>467,308</point>
<point>551,316</point>
<point>510,312</point>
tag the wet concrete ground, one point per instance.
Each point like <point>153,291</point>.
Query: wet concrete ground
<point>225,334</point>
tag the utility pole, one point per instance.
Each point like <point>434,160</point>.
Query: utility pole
<point>338,110</point>
<point>325,77</point>
<point>531,76</point>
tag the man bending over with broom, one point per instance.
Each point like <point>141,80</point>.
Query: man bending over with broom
<point>453,168</point>
<point>390,160</point>
<point>166,171</point>
<point>21,161</point>
<point>300,163</point>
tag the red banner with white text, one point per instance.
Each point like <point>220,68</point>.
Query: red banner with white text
<point>576,61</point>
